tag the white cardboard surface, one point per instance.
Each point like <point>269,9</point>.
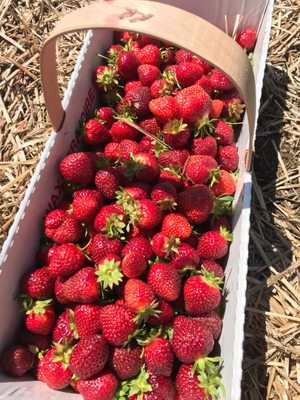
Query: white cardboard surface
<point>19,250</point>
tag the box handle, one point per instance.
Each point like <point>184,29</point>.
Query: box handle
<point>170,24</point>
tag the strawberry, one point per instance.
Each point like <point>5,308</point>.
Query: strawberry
<point>139,99</point>
<point>196,203</point>
<point>78,168</point>
<point>247,38</point>
<point>40,316</point>
<point>212,321</point>
<point>89,356</point>
<point>183,56</point>
<point>193,105</point>
<point>163,108</point>
<point>123,37</point>
<point>164,316</point>
<point>220,221</point>
<point>108,271</point>
<point>216,108</point>
<point>38,284</point>
<point>110,221</point>
<point>206,85</point>
<point>120,130</point>
<point>117,323</point>
<point>167,56</point>
<point>164,281</point>
<point>187,73</point>
<point>164,195</point>
<point>159,357</point>
<point>138,245</point>
<point>132,85</point>
<point>112,151</point>
<point>144,214</point>
<point>140,298</point>
<point>87,319</point>
<point>133,265</point>
<point>64,329</point>
<point>171,175</point>
<point>150,125</point>
<point>148,74</point>
<point>213,244</point>
<point>201,294</point>
<point>66,260</point>
<point>176,224</point>
<point>16,360</point>
<point>228,157</point>
<point>205,66</point>
<point>159,88</point>
<point>127,147</point>
<point>107,180</point>
<point>233,104</point>
<point>223,183</point>
<point>213,266</point>
<point>86,204</point>
<point>61,227</point>
<point>95,132</point>
<point>199,167</point>
<point>105,114</point>
<point>101,246</point>
<point>102,386</point>
<point>219,81</point>
<point>126,362</point>
<point>135,191</point>
<point>144,40</point>
<point>176,133</point>
<point>45,253</point>
<point>42,342</point>
<point>106,78</point>
<point>164,246</point>
<point>191,340</point>
<point>173,158</point>
<point>55,367</point>
<point>223,133</point>
<point>143,166</point>
<point>147,145</point>
<point>149,54</point>
<point>206,146</point>
<point>185,258</point>
<point>127,65</point>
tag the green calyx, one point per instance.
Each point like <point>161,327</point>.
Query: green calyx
<point>62,353</point>
<point>223,205</point>
<point>226,234</point>
<point>139,385</point>
<point>176,171</point>
<point>208,374</point>
<point>211,279</point>
<point>206,128</point>
<point>147,312</point>
<point>109,273</point>
<point>235,110</point>
<point>175,126</point>
<point>171,246</point>
<point>124,198</point>
<point>114,226</point>
<point>37,307</point>
<point>215,176</point>
<point>146,336</point>
<point>167,204</point>
<point>72,325</point>
<point>132,166</point>
<point>107,79</point>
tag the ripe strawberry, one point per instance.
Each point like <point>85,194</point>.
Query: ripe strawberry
<point>112,151</point>
<point>228,157</point>
<point>42,342</point>
<point>78,168</point>
<point>101,386</point>
<point>213,244</point>
<point>132,85</point>
<point>127,65</point>
<point>126,362</point>
<point>159,88</point>
<point>213,266</point>
<point>107,180</point>
<point>220,221</point>
<point>223,133</point>
<point>123,36</point>
<point>147,145</point>
<point>199,167</point>
<point>64,328</point>
<point>163,108</point>
<point>201,294</point>
<point>87,319</point>
<point>148,74</point>
<point>138,245</point>
<point>206,146</point>
<point>159,357</point>
<point>117,323</point>
<point>40,317</point>
<point>86,204</point>
<point>193,105</point>
<point>108,271</point>
<point>212,321</point>
<point>167,56</point>
<point>164,281</point>
<point>206,85</point>
<point>150,125</point>
<point>233,104</point>
<point>176,225</point>
<point>143,166</point>
<point>139,298</point>
<point>187,73</point>
<point>149,54</point>
<point>173,158</point>
<point>89,356</point>
<point>38,284</point>
<point>106,78</point>
<point>196,203</point>
<point>55,367</point>
<point>164,316</point>
<point>61,227</point>
<point>185,258</point>
<point>145,214</point>
<point>191,340</point>
<point>176,133</point>
<point>164,246</point>
<point>134,191</point>
<point>164,195</point>
<point>247,38</point>
<point>183,56</point>
<point>66,260</point>
<point>127,147</point>
<point>95,132</point>
<point>223,183</point>
<point>171,175</point>
<point>16,360</point>
<point>133,265</point>
<point>138,100</point>
<point>38,370</point>
<point>110,221</point>
<point>105,114</point>
<point>219,81</point>
<point>205,66</point>
<point>101,246</point>
<point>216,108</point>
<point>144,40</point>
<point>120,130</point>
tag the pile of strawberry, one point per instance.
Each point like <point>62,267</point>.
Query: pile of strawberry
<point>124,301</point>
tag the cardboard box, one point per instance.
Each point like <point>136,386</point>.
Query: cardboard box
<point>43,193</point>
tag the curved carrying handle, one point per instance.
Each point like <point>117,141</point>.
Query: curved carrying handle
<point>170,24</point>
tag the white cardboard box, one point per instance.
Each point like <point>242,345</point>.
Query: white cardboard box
<point>18,253</point>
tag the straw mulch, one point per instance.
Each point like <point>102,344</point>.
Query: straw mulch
<point>272,348</point>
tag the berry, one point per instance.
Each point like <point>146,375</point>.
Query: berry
<point>206,146</point>
<point>164,281</point>
<point>164,246</point>
<point>110,221</point>
<point>247,38</point>
<point>95,132</point>
<point>133,265</point>
<point>164,194</point>
<point>176,225</point>
<point>223,133</point>
<point>187,73</point>
<point>148,74</point>
<point>216,108</point>
<point>101,246</point>
<point>213,266</point>
<point>106,78</point>
<point>223,183</point>
<point>62,228</point>
<point>185,258</point>
<point>127,65</point>
<point>64,329</point>
<point>78,168</point>
<point>120,131</point>
<point>164,316</point>
<point>40,317</point>
<point>86,204</point>
<point>139,99</point>
<point>219,81</point>
<point>196,203</point>
<point>176,133</point>
<point>149,54</point>
<point>159,357</point>
<point>105,114</point>
<point>126,362</point>
<point>199,168</point>
<point>16,360</point>
<point>183,56</point>
<point>138,245</point>
<point>87,319</point>
<point>139,298</point>
<point>213,244</point>
<point>150,125</point>
<point>212,321</point>
<point>107,180</point>
<point>228,157</point>
<point>173,158</point>
<point>163,108</point>
<point>102,386</point>
<point>38,284</point>
<point>54,368</point>
<point>66,260</point>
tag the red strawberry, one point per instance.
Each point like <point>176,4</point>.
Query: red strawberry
<point>135,191</point>
<point>105,114</point>
<point>164,194</point>
<point>101,246</point>
<point>150,125</point>
<point>212,321</point>
<point>204,146</point>
<point>185,258</point>
<point>133,265</point>
<point>64,329</point>
<point>139,298</point>
<point>78,168</point>
<point>38,284</point>
<point>107,180</point>
<point>120,130</point>
<point>183,56</point>
<point>163,108</point>
<point>173,158</point>
<point>219,81</point>
<point>117,324</point>
<point>233,104</point>
<point>206,85</point>
<point>198,168</point>
<point>143,166</point>
<point>167,56</point>
<point>144,40</point>
<point>223,133</point>
<point>16,360</point>
<point>164,281</point>
<point>127,65</point>
<point>89,356</point>
<point>216,108</point>
<point>191,340</point>
<point>213,266</point>
<point>164,316</point>
<point>126,362</point>
<point>176,225</point>
<point>220,221</point>
<point>42,342</point>
<point>112,151</point>
<point>149,54</point>
<point>54,368</point>
<point>228,157</point>
<point>247,38</point>
<point>159,88</point>
<point>196,203</point>
<point>123,37</point>
<point>213,244</point>
<point>66,260</point>
<point>106,78</point>
<point>171,175</point>
<point>110,221</point>
<point>187,73</point>
<point>176,133</point>
<point>139,99</point>
<point>159,357</point>
<point>148,74</point>
<point>145,214</point>
<point>164,246</point>
<point>62,227</point>
<point>86,204</point>
<point>138,245</point>
<point>132,85</point>
<point>95,132</point>
<point>127,147</point>
<point>108,271</point>
<point>87,319</point>
<point>205,66</point>
<point>40,317</point>
<point>223,183</point>
<point>147,145</point>
<point>101,386</point>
